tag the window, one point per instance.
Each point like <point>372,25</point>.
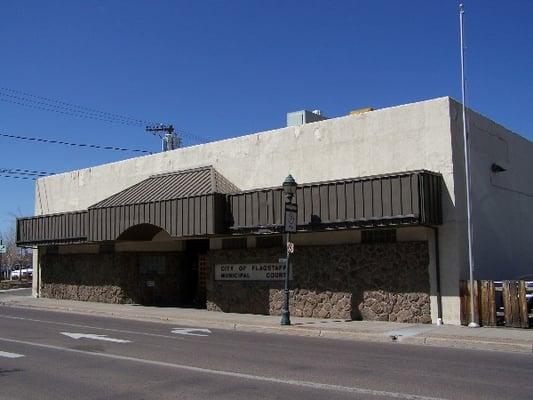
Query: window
<point>152,264</point>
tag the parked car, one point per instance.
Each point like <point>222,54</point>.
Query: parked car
<point>24,273</point>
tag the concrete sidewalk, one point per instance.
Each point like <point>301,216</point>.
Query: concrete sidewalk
<point>500,339</point>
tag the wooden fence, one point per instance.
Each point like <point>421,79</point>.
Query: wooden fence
<point>497,303</point>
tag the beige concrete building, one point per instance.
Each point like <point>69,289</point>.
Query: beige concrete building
<point>381,219</point>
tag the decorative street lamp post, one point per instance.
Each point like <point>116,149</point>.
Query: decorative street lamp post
<point>291,213</point>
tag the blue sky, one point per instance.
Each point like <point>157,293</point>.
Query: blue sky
<point>218,69</point>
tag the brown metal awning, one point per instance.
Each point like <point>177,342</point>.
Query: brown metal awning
<point>52,229</point>
<point>184,203</point>
<point>201,202</point>
<point>410,198</point>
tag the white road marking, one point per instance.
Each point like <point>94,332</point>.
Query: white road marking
<point>191,331</point>
<point>90,327</point>
<point>13,290</point>
<point>5,354</point>
<point>239,375</point>
<point>93,336</point>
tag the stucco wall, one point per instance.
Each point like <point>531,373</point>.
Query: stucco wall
<point>383,282</point>
<point>409,137</point>
<point>502,203</point>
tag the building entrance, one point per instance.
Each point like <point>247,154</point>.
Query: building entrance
<point>196,272</point>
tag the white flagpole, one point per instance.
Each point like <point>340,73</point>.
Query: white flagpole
<point>472,323</point>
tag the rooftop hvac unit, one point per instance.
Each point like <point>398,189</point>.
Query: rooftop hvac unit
<point>304,117</point>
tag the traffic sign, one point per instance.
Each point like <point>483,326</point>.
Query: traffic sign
<point>3,248</point>
<point>290,247</point>
<point>291,217</point>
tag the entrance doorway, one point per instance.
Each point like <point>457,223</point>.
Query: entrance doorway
<point>195,276</point>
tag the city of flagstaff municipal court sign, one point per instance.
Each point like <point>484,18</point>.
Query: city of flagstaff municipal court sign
<point>251,272</point>
<point>291,217</point>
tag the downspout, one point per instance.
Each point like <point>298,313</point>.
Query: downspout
<point>437,274</point>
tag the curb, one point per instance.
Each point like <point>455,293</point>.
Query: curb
<point>443,342</point>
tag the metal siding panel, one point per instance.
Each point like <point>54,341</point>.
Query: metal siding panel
<point>315,202</point>
<point>377,199</point>
<point>197,211</point>
<point>254,209</point>
<point>396,196</point>
<point>332,197</point>
<point>438,199</point>
<point>172,217</point>
<point>68,225</point>
<point>263,208</point>
<point>415,196</point>
<point>270,207</point>
<point>386,197</point>
<point>407,207</point>
<point>157,218</point>
<point>179,218</point>
<point>301,206</point>
<point>151,213</point>
<point>232,210</point>
<point>185,216</point>
<point>359,200</point>
<point>210,213</point>
<point>108,228</point>
<point>278,207</point>
<point>242,210</point>
<point>308,204</point>
<point>324,203</point>
<point>59,219</point>
<point>94,222</point>
<point>368,201</point>
<point>341,201</point>
<point>103,225</point>
<point>122,220</point>
<point>423,199</point>
<point>166,216</point>
<point>248,219</point>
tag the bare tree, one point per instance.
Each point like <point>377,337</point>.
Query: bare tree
<point>15,257</point>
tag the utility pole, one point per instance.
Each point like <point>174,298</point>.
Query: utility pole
<point>170,140</point>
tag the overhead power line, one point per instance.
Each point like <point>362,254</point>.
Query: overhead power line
<point>61,142</point>
<point>43,103</point>
<point>17,177</point>
<point>72,113</point>
<point>22,173</point>
<point>28,99</point>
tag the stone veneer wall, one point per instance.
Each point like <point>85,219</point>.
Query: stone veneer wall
<point>108,278</point>
<point>383,282</point>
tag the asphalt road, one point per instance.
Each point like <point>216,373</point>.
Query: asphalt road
<point>41,357</point>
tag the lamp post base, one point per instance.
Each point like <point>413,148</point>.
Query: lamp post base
<point>285,317</point>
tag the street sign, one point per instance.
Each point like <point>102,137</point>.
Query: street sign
<point>290,247</point>
<point>291,217</point>
<point>3,248</point>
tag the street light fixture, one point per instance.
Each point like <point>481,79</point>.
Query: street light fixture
<point>289,189</point>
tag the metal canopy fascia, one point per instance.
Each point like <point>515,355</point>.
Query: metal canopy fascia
<point>407,198</point>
